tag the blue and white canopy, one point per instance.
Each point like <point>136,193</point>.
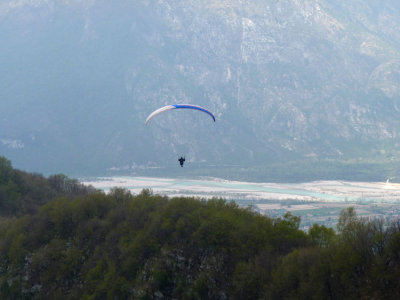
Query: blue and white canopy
<point>175,106</point>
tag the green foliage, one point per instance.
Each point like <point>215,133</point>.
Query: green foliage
<point>121,246</point>
<point>297,277</point>
<point>357,263</point>
<point>347,220</point>
<point>23,193</point>
<point>288,236</point>
<point>291,220</point>
<point>320,235</point>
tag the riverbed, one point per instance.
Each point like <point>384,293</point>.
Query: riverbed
<point>326,191</point>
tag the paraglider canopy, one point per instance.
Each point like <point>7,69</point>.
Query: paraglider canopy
<point>178,106</point>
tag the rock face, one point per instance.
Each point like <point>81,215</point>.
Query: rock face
<point>286,80</point>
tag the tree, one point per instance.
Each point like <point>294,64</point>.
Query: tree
<point>347,219</point>
<point>321,236</point>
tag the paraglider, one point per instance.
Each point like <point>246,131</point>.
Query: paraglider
<point>179,106</point>
<point>181,161</point>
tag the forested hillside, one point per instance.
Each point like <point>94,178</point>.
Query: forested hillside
<point>121,246</point>
<point>22,192</point>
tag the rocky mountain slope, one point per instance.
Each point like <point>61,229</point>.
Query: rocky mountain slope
<point>287,80</point>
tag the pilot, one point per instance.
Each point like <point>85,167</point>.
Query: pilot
<point>181,161</point>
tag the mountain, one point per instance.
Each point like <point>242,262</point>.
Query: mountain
<point>289,81</point>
